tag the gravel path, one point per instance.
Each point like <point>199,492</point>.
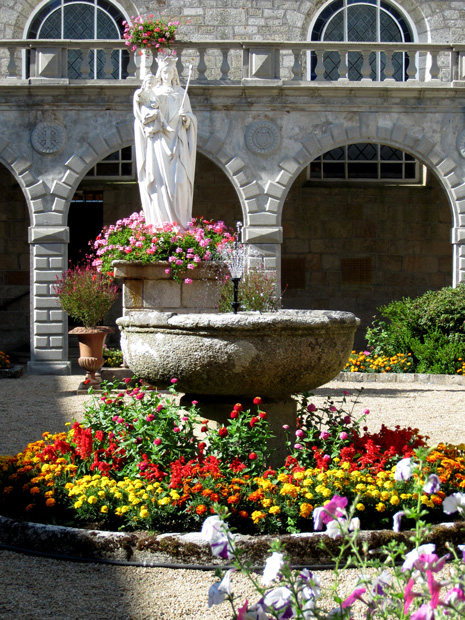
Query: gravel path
<point>42,589</point>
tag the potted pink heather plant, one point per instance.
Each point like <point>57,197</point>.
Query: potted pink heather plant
<point>86,295</point>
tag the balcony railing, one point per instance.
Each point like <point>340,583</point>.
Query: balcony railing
<point>239,62</point>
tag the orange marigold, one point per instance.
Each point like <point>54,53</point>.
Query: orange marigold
<point>50,502</point>
<point>34,490</point>
<point>201,509</point>
<point>233,499</point>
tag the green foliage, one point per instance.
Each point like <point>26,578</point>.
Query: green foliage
<point>257,292</point>
<point>113,357</point>
<point>431,327</point>
<point>86,294</point>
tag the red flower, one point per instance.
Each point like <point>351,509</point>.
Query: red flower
<point>204,429</point>
<point>238,407</point>
<point>99,435</point>
<point>252,456</point>
<point>223,432</point>
<point>234,413</point>
<point>257,400</point>
<point>253,421</point>
<point>201,509</point>
<point>262,415</point>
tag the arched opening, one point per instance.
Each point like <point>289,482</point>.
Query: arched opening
<point>14,266</point>
<point>357,243</point>
<point>357,21</point>
<point>82,19</point>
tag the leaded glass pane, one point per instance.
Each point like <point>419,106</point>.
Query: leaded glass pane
<point>51,27</point>
<point>334,30</point>
<point>335,154</point>
<point>79,21</point>
<point>331,62</point>
<point>363,151</point>
<point>106,28</point>
<point>361,23</point>
<point>388,153</point>
<point>390,31</point>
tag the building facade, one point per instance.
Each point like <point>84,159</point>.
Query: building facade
<point>333,129</point>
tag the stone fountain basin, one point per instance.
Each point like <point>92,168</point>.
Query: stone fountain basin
<point>248,354</point>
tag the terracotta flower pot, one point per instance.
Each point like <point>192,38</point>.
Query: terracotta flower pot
<point>91,341</point>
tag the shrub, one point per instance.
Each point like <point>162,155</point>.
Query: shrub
<point>431,327</point>
<point>257,292</point>
<point>113,357</point>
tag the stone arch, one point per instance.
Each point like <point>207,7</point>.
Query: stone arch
<point>20,167</point>
<point>395,134</point>
<point>235,169</point>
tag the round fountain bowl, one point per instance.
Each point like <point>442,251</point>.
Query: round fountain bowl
<point>248,354</point>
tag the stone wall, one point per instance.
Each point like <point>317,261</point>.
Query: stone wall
<point>358,246</point>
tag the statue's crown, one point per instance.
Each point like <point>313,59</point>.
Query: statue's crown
<point>166,60</point>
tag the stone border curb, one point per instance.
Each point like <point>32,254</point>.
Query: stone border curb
<point>191,550</point>
<point>14,372</point>
<point>393,377</point>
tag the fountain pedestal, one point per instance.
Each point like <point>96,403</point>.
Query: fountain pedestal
<point>227,358</point>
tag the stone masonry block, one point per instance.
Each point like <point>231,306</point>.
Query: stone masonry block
<point>46,276</point>
<point>456,178</point>
<point>48,355</point>
<point>41,316</point>
<point>273,205</point>
<point>45,302</point>
<point>235,165</point>
<point>311,144</point>
<point>326,142</point>
<point>290,165</point>
<point>384,132</point>
<point>57,316</point>
<point>459,193</point>
<point>38,206</point>
<point>48,328</point>
<point>262,219</point>
<point>70,178</point>
<point>242,179</point>
<point>302,157</point>
<point>59,205</point>
<point>41,290</point>
<point>214,144</point>
<point>435,157</point>
<point>48,218</point>
<point>88,155</point>
<point>49,249</point>
<point>126,131</point>
<point>9,156</point>
<point>113,140</point>
<point>57,342</point>
<point>353,133</point>
<point>410,141</point>
<point>40,342</point>
<point>3,144</point>
<point>398,132</point>
<point>99,145</point>
<point>368,124</point>
<point>251,190</point>
<point>57,263</point>
<point>61,190</point>
<point>41,263</point>
<point>461,219</point>
<point>27,178</point>
<point>283,178</point>
<point>252,206</point>
<point>274,190</point>
<point>460,206</point>
<point>263,234</point>
<point>37,191</point>
<point>199,295</point>
<point>21,165</point>
<point>162,294</point>
<point>224,156</point>
<point>76,164</point>
<point>457,235</point>
<point>271,263</point>
<point>132,294</point>
<point>425,145</point>
<point>338,132</point>
<point>447,166</point>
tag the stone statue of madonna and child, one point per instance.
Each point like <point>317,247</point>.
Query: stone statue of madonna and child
<point>165,139</point>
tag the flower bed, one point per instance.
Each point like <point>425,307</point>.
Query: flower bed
<point>136,463</point>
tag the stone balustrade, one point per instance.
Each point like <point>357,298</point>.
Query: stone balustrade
<point>239,62</point>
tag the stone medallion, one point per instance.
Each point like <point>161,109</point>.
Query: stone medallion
<point>262,137</point>
<point>48,137</point>
<point>460,142</point>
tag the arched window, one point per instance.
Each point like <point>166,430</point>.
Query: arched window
<point>82,19</point>
<point>355,21</point>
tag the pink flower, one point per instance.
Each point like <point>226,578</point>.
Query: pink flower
<point>286,427</point>
<point>343,435</point>
<point>366,411</point>
<point>324,435</point>
<point>157,441</point>
<point>298,446</point>
<point>299,433</point>
<point>326,458</point>
<point>311,408</point>
<point>150,417</point>
<point>347,419</point>
<point>355,596</point>
<point>176,429</point>
<point>173,381</point>
<point>346,393</point>
<point>187,281</point>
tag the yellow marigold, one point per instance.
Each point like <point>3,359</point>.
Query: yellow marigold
<point>48,494</point>
<point>360,506</point>
<point>274,510</point>
<point>266,503</point>
<point>283,477</point>
<point>385,495</point>
<point>336,459</point>
<point>78,504</point>
<point>395,501</point>
<point>326,492</point>
<point>345,465</point>
<point>257,515</point>
<point>92,499</point>
<point>50,502</point>
<point>144,513</point>
<point>289,489</point>
<point>380,507</point>
<point>104,509</point>
<point>101,494</point>
<point>299,475</point>
<point>174,494</point>
<point>308,495</point>
<point>164,500</point>
<point>69,486</point>
<point>305,510</point>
